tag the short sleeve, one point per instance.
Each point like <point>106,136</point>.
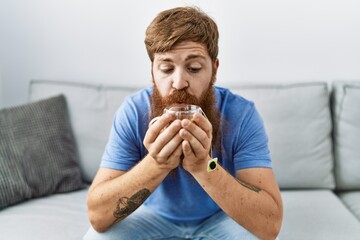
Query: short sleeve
<point>124,146</point>
<point>251,149</point>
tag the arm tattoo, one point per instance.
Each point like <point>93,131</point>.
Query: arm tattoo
<point>255,189</point>
<point>125,206</point>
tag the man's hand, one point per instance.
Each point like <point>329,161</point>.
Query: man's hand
<point>163,142</point>
<point>197,136</point>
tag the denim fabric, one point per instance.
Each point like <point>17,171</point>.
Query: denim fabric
<point>144,224</point>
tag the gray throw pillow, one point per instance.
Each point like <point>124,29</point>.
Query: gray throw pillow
<point>37,151</point>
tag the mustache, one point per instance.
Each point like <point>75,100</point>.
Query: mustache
<point>180,96</point>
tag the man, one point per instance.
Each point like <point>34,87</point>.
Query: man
<point>162,181</point>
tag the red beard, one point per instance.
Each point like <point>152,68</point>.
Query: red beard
<point>207,102</point>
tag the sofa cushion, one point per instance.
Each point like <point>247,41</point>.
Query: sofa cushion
<point>37,152</point>
<point>92,108</point>
<point>317,214</point>
<point>346,108</point>
<point>298,121</point>
<point>352,200</point>
<point>55,217</point>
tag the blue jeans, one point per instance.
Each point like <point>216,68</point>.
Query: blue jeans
<point>144,224</point>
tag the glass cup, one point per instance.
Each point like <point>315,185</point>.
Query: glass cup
<point>181,111</point>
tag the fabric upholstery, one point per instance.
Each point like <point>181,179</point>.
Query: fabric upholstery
<point>92,108</point>
<point>308,214</point>
<point>55,217</point>
<point>352,200</point>
<point>317,214</point>
<point>298,121</point>
<point>37,151</point>
<point>346,107</point>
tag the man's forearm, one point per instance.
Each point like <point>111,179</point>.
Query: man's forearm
<point>125,205</point>
<point>121,194</point>
<point>250,206</point>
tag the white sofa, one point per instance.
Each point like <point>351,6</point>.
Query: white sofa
<point>314,132</point>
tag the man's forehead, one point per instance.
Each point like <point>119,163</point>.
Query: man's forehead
<point>186,51</point>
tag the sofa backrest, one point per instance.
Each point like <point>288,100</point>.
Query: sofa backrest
<point>297,119</point>
<point>346,108</point>
<point>91,111</point>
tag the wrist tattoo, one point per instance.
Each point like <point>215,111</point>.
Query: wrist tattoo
<point>255,189</point>
<point>125,206</point>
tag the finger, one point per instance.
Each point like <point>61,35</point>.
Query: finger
<point>171,147</point>
<point>178,151</point>
<point>187,149</point>
<point>156,128</point>
<point>203,123</point>
<point>198,133</point>
<point>196,146</point>
<point>168,139</point>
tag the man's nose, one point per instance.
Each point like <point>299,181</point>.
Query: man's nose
<point>180,80</point>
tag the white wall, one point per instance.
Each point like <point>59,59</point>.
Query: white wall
<point>101,41</point>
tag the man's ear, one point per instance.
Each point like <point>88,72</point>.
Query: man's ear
<point>216,65</point>
<point>215,68</point>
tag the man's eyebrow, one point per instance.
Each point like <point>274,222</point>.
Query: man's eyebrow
<point>194,56</point>
<point>165,59</point>
<point>190,57</point>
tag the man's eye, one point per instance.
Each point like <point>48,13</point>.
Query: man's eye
<point>194,69</point>
<point>166,70</point>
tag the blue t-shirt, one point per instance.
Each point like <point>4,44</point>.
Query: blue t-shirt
<point>179,198</point>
